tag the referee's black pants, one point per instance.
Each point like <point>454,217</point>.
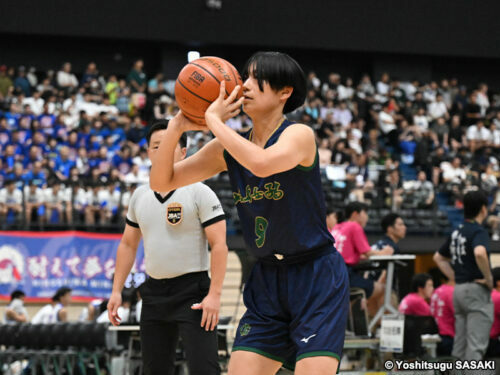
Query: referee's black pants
<point>166,315</point>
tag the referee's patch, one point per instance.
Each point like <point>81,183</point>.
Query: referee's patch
<point>174,213</point>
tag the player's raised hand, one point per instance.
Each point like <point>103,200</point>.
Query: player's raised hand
<point>115,301</point>
<point>225,108</point>
<point>210,306</point>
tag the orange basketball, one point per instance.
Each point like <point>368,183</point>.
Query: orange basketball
<point>198,85</point>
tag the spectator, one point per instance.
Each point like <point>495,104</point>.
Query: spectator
<point>478,135</point>
<point>21,82</point>
<point>472,110</point>
<point>416,303</point>
<point>438,109</point>
<point>34,200</point>
<point>10,202</point>
<point>136,77</point>
<point>109,200</point>
<point>394,230</point>
<point>454,173</point>
<point>383,85</point>
<point>464,257</point>
<point>65,79</point>
<point>482,98</point>
<point>421,121</point>
<point>387,125</point>
<point>457,137</point>
<point>15,312</point>
<point>57,310</point>
<point>494,345</point>
<point>351,242</point>
<point>419,193</point>
<point>56,204</point>
<point>444,313</point>
<point>325,153</point>
<point>440,133</point>
<point>5,82</point>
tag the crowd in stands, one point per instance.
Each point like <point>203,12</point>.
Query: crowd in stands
<point>72,144</point>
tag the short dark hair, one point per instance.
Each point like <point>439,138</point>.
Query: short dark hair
<point>419,280</point>
<point>496,275</point>
<point>473,203</point>
<point>354,207</point>
<point>388,221</point>
<point>162,125</point>
<point>279,70</point>
<point>17,294</point>
<point>60,293</point>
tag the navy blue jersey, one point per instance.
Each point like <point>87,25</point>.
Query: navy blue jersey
<point>284,213</point>
<point>386,241</point>
<point>460,248</point>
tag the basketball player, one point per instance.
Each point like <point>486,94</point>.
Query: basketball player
<point>57,310</point>
<point>178,296</point>
<point>297,295</point>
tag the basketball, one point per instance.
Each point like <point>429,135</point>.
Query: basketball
<point>198,85</point>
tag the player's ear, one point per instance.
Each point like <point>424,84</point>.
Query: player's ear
<point>286,92</point>
<point>183,152</point>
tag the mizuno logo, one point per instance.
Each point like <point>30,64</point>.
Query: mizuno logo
<point>306,340</point>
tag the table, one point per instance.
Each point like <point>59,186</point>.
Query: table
<point>390,259</point>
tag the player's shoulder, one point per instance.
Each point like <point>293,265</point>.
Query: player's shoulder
<point>298,129</point>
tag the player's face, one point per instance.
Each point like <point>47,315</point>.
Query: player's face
<point>257,101</point>
<point>428,289</point>
<point>363,218</point>
<point>66,299</point>
<point>399,228</point>
<point>154,144</point>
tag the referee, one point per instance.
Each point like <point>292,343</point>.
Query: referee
<point>178,296</point>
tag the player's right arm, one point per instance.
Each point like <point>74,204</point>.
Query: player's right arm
<point>165,176</point>
<point>125,257</point>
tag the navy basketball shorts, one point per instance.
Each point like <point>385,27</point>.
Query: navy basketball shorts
<point>295,311</point>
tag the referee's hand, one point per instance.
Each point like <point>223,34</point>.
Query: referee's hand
<point>210,306</point>
<point>115,301</point>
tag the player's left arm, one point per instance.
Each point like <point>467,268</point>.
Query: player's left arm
<point>296,145</point>
<point>216,236</point>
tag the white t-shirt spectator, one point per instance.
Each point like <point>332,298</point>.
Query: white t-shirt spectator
<point>144,166</point>
<point>36,197</point>
<point>45,315</point>
<point>52,198</point>
<point>437,110</point>
<point>483,101</point>
<point>66,79</point>
<point>454,175</point>
<point>382,88</point>
<point>386,122</point>
<point>478,134</point>
<point>345,92</point>
<point>16,305</point>
<point>109,200</point>
<point>422,122</point>
<point>495,135</point>
<point>16,197</point>
<point>35,104</point>
<point>342,116</point>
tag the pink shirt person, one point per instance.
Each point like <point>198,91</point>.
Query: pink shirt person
<point>350,241</point>
<point>413,304</point>
<point>443,311</point>
<point>495,328</point>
